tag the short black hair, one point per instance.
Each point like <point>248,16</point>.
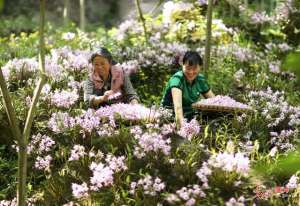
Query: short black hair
<point>192,58</point>
<point>102,52</point>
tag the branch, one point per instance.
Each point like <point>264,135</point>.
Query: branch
<point>139,10</point>
<point>12,118</point>
<point>208,36</point>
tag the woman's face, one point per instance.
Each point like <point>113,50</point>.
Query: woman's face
<point>191,72</point>
<point>101,66</point>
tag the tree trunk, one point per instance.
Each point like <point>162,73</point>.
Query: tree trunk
<point>208,36</point>
<point>246,3</point>
<point>82,15</point>
<point>142,19</point>
<point>66,11</point>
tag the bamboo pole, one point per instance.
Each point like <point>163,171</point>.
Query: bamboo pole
<point>42,80</point>
<point>82,15</point>
<point>22,163</point>
<point>13,121</point>
<point>142,19</point>
<point>208,36</point>
<point>66,11</point>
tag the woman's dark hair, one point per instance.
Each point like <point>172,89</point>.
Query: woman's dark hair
<point>192,58</point>
<point>104,53</point>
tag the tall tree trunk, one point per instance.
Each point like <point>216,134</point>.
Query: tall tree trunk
<point>246,3</point>
<point>208,36</point>
<point>66,11</point>
<point>142,19</point>
<point>82,15</point>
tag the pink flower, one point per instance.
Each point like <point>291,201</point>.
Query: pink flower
<point>102,176</point>
<point>80,191</point>
<point>77,152</point>
<point>43,163</point>
<point>189,129</point>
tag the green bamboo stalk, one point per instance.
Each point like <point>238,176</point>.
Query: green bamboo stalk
<point>66,11</point>
<point>82,15</point>
<point>12,118</point>
<point>22,172</point>
<point>22,163</point>
<point>142,19</point>
<point>208,36</point>
<point>42,80</point>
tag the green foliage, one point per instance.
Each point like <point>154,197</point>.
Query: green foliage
<point>292,63</point>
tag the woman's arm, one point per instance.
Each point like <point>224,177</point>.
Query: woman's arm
<point>209,94</point>
<point>129,92</point>
<point>89,97</point>
<point>177,102</point>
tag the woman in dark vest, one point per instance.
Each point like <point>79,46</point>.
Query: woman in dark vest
<point>107,83</point>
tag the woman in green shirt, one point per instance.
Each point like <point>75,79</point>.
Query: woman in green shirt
<point>185,87</point>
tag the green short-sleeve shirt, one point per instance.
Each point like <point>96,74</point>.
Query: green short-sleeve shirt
<point>190,92</point>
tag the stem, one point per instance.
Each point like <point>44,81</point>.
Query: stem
<point>208,36</point>
<point>42,80</point>
<point>142,19</point>
<point>22,172</point>
<point>82,15</point>
<point>12,118</point>
<point>66,12</point>
<point>22,161</point>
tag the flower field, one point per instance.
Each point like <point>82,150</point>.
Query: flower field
<point>127,154</point>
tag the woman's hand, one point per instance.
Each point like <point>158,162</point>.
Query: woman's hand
<point>134,101</point>
<point>209,94</point>
<point>100,99</point>
<point>108,93</point>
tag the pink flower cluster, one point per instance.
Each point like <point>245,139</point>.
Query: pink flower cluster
<point>187,195</point>
<point>103,174</point>
<point>228,162</point>
<point>12,202</point>
<point>40,144</point>
<point>80,191</point>
<point>149,185</point>
<point>19,68</point>
<point>77,152</point>
<point>189,129</point>
<point>53,69</point>
<point>60,122</point>
<point>130,67</point>
<point>274,67</point>
<point>43,163</point>
<point>203,173</point>
<point>226,101</point>
<point>148,142</point>
<point>64,99</point>
<point>260,18</point>
<point>233,202</point>
<point>282,119</point>
<point>116,164</point>
<point>88,121</point>
<point>127,112</point>
<point>77,61</point>
<point>293,182</point>
<point>107,130</point>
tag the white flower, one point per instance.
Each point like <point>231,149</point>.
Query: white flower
<point>292,184</point>
<point>68,36</point>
